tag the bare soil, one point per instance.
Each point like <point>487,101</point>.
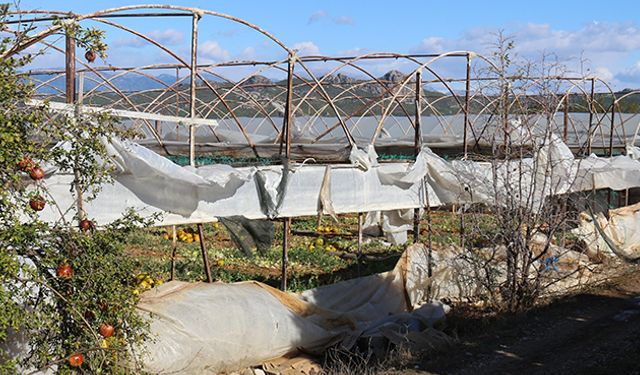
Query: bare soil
<point>596,332</point>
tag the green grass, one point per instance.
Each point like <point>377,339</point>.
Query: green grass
<point>308,266</point>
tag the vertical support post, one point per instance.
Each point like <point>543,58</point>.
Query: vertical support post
<point>285,252</point>
<point>613,121</point>
<point>462,228</point>
<point>192,88</point>
<point>429,231</point>
<point>465,149</point>
<point>80,93</point>
<point>177,103</point>
<point>359,258</point>
<point>174,247</point>
<point>192,129</point>
<point>417,146</point>
<point>70,69</point>
<point>287,153</point>
<point>429,237</point>
<point>70,96</point>
<point>626,197</point>
<point>174,235</point>
<point>205,256</point>
<point>565,130</point>
<point>591,107</point>
<point>288,104</point>
<point>465,144</point>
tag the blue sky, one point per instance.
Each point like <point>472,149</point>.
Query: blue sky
<point>606,34</point>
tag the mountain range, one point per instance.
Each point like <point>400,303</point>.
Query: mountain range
<point>132,81</point>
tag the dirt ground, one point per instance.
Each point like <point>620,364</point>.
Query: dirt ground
<point>597,332</point>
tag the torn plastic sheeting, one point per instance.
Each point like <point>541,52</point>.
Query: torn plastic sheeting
<point>549,172</point>
<point>204,328</point>
<point>622,229</point>
<point>455,272</point>
<point>149,184</point>
<point>271,196</point>
<point>394,224</point>
<point>364,159</point>
<point>160,183</point>
<point>325,205</point>
<point>616,173</point>
<point>247,234</point>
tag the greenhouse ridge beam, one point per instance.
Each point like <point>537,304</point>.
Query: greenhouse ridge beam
<point>254,63</point>
<point>122,15</point>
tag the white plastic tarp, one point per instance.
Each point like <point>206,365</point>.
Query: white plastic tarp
<point>149,183</point>
<point>622,228</point>
<point>208,328</point>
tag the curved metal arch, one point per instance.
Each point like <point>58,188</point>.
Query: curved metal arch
<point>605,112</point>
<point>346,63</point>
<point>575,84</point>
<point>612,107</point>
<point>48,83</point>
<point>350,63</point>
<point>369,105</point>
<point>77,17</point>
<point>377,80</point>
<point>248,95</point>
<point>188,65</point>
<point>114,88</point>
<point>404,82</point>
<point>316,85</point>
<point>196,13</point>
<point>324,93</point>
<point>622,122</point>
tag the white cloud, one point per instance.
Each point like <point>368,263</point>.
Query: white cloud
<point>229,33</point>
<point>603,73</point>
<point>248,53</point>
<point>129,42</point>
<point>432,44</point>
<point>630,77</point>
<point>168,37</point>
<point>306,49</point>
<point>316,16</point>
<point>353,52</point>
<point>605,47</point>
<point>44,56</point>
<point>344,20</point>
<point>534,38</point>
<point>210,51</point>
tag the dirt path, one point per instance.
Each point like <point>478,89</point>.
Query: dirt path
<point>597,333</point>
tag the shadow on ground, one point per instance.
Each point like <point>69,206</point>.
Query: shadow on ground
<point>592,333</point>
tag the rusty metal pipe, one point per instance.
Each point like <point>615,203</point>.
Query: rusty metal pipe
<point>417,147</point>
<point>466,107</point>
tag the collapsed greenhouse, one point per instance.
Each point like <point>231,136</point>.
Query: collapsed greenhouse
<point>326,135</point>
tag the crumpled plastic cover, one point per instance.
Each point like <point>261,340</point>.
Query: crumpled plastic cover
<point>622,229</point>
<point>208,328</point>
<point>150,184</point>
